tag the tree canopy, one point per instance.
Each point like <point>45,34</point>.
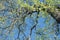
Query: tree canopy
<point>29,19</point>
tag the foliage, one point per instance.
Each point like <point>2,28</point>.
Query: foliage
<point>19,19</point>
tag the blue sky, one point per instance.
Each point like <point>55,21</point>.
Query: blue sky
<point>30,21</point>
